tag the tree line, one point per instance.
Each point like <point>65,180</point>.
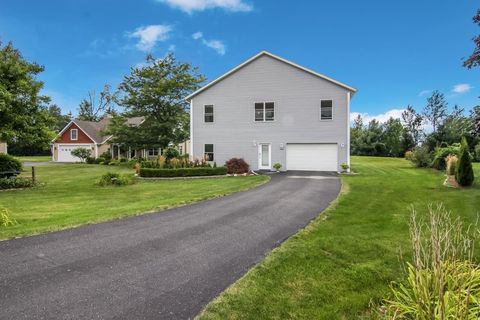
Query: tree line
<point>434,126</point>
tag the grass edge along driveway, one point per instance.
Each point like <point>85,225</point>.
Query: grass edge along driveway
<point>70,198</point>
<point>346,257</point>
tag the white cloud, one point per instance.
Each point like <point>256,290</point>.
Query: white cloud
<point>172,47</point>
<point>197,35</point>
<point>149,36</point>
<point>216,45</point>
<point>461,88</point>
<point>382,117</point>
<point>423,93</point>
<point>190,6</point>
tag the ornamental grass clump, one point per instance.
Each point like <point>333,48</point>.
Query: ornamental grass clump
<point>451,162</point>
<point>443,280</point>
<point>6,219</point>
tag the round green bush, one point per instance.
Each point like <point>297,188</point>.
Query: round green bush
<point>9,166</point>
<point>171,153</point>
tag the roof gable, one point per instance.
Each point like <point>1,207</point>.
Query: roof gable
<point>265,53</point>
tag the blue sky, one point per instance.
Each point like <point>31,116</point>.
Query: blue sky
<point>394,52</point>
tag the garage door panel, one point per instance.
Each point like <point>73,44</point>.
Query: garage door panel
<point>312,156</point>
<point>65,152</point>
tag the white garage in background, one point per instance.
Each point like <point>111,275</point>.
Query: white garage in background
<point>312,156</point>
<point>65,152</point>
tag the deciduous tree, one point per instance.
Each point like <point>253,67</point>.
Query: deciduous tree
<point>474,59</point>
<point>436,109</point>
<point>156,92</point>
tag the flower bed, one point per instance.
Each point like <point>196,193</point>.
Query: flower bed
<point>182,172</point>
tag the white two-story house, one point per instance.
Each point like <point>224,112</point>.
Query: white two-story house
<point>269,110</point>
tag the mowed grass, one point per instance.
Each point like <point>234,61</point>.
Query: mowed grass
<point>69,197</point>
<point>34,158</point>
<point>347,257</point>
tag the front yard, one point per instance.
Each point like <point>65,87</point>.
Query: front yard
<point>347,257</point>
<point>70,197</point>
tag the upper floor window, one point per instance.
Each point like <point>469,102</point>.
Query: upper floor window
<point>208,113</point>
<point>209,152</point>
<point>326,110</point>
<point>73,134</point>
<point>264,111</point>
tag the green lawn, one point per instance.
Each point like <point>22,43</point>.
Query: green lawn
<point>345,258</point>
<point>70,197</point>
<point>34,158</point>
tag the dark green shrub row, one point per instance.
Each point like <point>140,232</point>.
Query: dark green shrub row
<point>182,172</point>
<point>14,183</point>
<point>9,166</point>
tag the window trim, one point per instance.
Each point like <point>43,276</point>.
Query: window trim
<point>213,152</point>
<point>213,113</point>
<point>153,155</point>
<point>264,112</point>
<point>76,134</point>
<point>320,110</point>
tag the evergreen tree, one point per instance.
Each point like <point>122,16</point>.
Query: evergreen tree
<point>464,174</point>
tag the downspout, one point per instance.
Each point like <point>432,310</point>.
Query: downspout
<point>348,130</point>
<point>191,130</point>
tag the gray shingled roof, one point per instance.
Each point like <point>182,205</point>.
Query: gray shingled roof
<point>94,129</point>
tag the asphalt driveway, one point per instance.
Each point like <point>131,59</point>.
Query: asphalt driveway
<point>165,265</point>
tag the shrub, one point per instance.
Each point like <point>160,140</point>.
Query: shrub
<point>106,156</point>
<point>277,166</point>
<point>421,157</point>
<point>115,179</point>
<point>91,160</point>
<point>344,166</point>
<point>15,183</point>
<point>100,160</point>
<point>81,153</point>
<point>182,172</point>
<point>6,219</point>
<point>464,174</point>
<point>113,163</point>
<point>236,166</point>
<point>123,160</point>
<point>477,152</point>
<point>9,166</point>
<point>451,164</point>
<point>408,155</point>
<point>443,282</point>
<point>440,154</point>
<point>170,153</point>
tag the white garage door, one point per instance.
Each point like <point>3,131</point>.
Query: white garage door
<point>65,152</point>
<point>312,156</point>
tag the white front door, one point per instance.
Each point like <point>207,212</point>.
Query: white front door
<point>264,156</point>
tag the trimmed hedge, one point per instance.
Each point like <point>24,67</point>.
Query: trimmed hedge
<point>182,172</point>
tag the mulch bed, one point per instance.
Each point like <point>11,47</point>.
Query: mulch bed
<point>450,181</point>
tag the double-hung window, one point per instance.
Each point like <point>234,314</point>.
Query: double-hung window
<point>208,150</point>
<point>153,152</point>
<point>326,110</point>
<point>208,112</point>
<point>264,111</point>
<point>74,134</point>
